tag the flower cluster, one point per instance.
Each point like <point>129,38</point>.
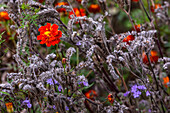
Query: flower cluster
<point>136,91</point>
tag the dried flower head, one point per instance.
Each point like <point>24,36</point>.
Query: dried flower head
<point>153,57</point>
<point>50,35</point>
<point>94,8</point>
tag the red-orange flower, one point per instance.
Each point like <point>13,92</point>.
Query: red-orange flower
<point>4,15</point>
<point>61,9</point>
<point>9,107</point>
<point>78,12</point>
<point>50,35</point>
<point>166,80</point>
<point>137,28</point>
<point>156,7</point>
<point>153,57</point>
<point>91,94</point>
<point>128,38</point>
<point>110,98</point>
<point>135,0</point>
<point>79,1</point>
<point>41,1</point>
<point>94,8</point>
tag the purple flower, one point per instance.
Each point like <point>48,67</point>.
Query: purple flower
<point>149,111</point>
<point>67,108</point>
<point>134,88</point>
<point>54,107</point>
<point>78,43</point>
<point>142,87</point>
<point>50,81</point>
<point>27,102</point>
<point>126,94</point>
<point>147,93</point>
<point>85,83</point>
<point>59,88</point>
<point>136,94</point>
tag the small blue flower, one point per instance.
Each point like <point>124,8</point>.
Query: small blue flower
<point>126,94</point>
<point>67,108</point>
<point>147,93</point>
<point>134,88</point>
<point>27,102</point>
<point>85,84</point>
<point>50,81</point>
<point>136,94</point>
<point>78,43</point>
<point>54,107</point>
<point>59,88</point>
<point>141,87</point>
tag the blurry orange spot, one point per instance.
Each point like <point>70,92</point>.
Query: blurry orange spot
<point>9,107</point>
<point>137,27</point>
<point>156,7</point>
<point>91,94</point>
<point>61,9</point>
<point>110,98</point>
<point>128,38</point>
<point>4,15</point>
<point>79,1</point>
<point>78,12</point>
<point>94,8</point>
<point>165,81</point>
<point>153,57</point>
<point>135,0</point>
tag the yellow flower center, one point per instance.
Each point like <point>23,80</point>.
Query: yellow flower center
<point>47,33</point>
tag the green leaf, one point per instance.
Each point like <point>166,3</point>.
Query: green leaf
<point>5,93</point>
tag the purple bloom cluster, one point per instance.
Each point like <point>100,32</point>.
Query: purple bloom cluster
<point>50,82</point>
<point>136,91</point>
<point>27,102</point>
<point>84,83</point>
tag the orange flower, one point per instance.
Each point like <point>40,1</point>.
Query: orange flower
<point>153,58</point>
<point>61,9</point>
<point>91,94</point>
<point>110,98</point>
<point>156,7</point>
<point>135,0</point>
<point>166,80</point>
<point>50,35</point>
<point>4,15</point>
<point>94,8</point>
<point>9,107</point>
<point>137,28</point>
<point>78,12</point>
<point>79,1</point>
<point>128,38</point>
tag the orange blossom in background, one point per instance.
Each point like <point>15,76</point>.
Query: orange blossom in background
<point>91,94</point>
<point>110,98</point>
<point>156,7</point>
<point>9,107</point>
<point>4,15</point>
<point>61,9</point>
<point>50,35</point>
<point>153,57</point>
<point>78,12</point>
<point>165,81</point>
<point>94,8</point>
<point>128,38</point>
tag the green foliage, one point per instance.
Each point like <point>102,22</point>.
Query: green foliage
<point>1,40</point>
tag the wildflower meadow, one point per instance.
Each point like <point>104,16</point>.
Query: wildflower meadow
<point>84,56</point>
